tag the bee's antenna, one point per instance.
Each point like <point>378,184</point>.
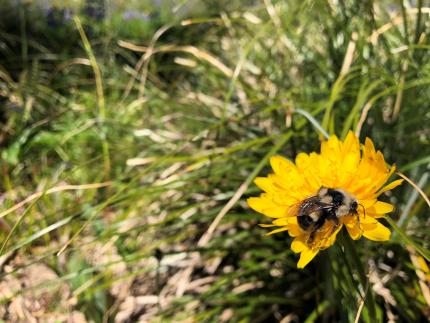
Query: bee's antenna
<point>364,210</point>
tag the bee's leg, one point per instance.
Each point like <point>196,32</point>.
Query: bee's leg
<point>317,226</point>
<point>330,231</point>
<point>334,227</point>
<point>322,219</point>
<point>335,219</point>
<point>332,216</point>
<point>357,217</point>
<point>313,229</point>
<point>311,238</point>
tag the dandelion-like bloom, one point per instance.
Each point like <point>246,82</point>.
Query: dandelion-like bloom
<point>360,173</point>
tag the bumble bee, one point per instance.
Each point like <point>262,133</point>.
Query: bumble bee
<point>327,205</point>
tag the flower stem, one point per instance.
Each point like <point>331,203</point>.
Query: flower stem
<point>352,255</point>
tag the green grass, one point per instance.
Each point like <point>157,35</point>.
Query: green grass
<point>201,116</point>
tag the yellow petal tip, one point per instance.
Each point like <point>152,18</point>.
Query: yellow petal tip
<point>306,256</point>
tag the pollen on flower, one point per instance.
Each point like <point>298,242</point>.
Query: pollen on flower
<point>315,197</point>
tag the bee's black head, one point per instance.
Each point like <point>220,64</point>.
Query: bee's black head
<point>353,208</point>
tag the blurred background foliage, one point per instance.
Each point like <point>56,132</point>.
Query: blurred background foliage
<point>131,132</point>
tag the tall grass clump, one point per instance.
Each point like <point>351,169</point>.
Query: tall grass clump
<point>127,155</point>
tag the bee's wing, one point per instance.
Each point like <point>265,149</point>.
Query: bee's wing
<point>299,207</point>
<point>309,205</point>
<point>294,210</point>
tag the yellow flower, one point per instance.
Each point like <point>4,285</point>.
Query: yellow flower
<point>361,173</point>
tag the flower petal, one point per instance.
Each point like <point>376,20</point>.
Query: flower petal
<point>367,202</point>
<point>266,206</point>
<point>390,186</point>
<point>281,165</point>
<point>298,245</point>
<point>306,256</point>
<point>369,147</point>
<point>351,159</point>
<point>277,230</point>
<point>265,184</point>
<point>294,230</point>
<point>281,222</point>
<point>305,164</point>
<point>354,231</point>
<point>381,208</point>
<point>266,225</point>
<point>351,143</point>
<point>379,232</point>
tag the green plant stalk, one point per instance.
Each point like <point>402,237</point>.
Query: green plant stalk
<point>350,250</point>
<point>316,312</point>
<point>15,226</point>
<point>407,240</point>
<point>236,73</point>
<point>99,91</point>
<point>405,22</point>
<point>418,206</point>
